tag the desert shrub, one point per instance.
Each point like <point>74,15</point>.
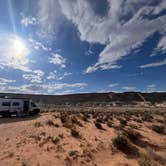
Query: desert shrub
<point>50,123</point>
<point>55,140</point>
<point>158,129</point>
<point>75,133</point>
<point>160,120</point>
<point>56,125</point>
<point>132,134</point>
<point>98,125</point>
<point>120,142</point>
<point>87,115</point>
<point>38,124</point>
<point>95,115</point>
<point>84,118</point>
<point>61,136</point>
<point>73,153</point>
<point>147,117</point>
<point>123,122</point>
<point>63,118</point>
<point>99,120</point>
<point>75,121</point>
<point>109,124</point>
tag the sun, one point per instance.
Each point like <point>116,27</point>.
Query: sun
<point>19,47</point>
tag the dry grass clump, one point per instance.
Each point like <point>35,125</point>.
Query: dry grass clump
<point>122,144</point>
<point>76,121</point>
<point>159,129</point>
<point>63,117</point>
<point>38,124</point>
<point>75,133</point>
<point>109,124</point>
<point>51,123</point>
<point>132,134</point>
<point>55,140</point>
<point>151,158</point>
<point>73,153</point>
<point>98,125</point>
<point>147,117</point>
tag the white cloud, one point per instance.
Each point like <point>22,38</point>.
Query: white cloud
<point>113,85</point>
<point>26,21</point>
<point>57,60</point>
<point>52,75</point>
<point>151,88</point>
<point>50,18</point>
<point>4,81</point>
<point>125,27</point>
<point>34,77</point>
<point>162,44</point>
<point>38,45</point>
<point>135,74</point>
<point>13,53</point>
<point>57,76</point>
<point>129,88</point>
<point>155,64</point>
<point>43,88</point>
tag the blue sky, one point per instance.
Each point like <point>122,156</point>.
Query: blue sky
<point>63,47</point>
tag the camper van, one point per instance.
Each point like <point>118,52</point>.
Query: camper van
<point>17,106</point>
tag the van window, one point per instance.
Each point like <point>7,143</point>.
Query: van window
<point>5,103</point>
<point>33,104</point>
<point>16,104</point>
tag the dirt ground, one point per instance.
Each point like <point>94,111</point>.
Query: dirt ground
<point>84,139</point>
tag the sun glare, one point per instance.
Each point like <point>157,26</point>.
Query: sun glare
<point>19,48</point>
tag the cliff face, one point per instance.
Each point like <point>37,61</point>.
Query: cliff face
<point>127,97</point>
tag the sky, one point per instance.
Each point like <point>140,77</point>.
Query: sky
<point>81,46</point>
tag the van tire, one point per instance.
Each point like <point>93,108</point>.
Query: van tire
<point>6,115</point>
<point>34,112</point>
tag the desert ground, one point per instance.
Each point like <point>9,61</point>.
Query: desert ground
<point>64,137</point>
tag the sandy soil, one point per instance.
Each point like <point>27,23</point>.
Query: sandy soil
<point>72,139</point>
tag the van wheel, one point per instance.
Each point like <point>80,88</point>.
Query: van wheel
<point>6,115</point>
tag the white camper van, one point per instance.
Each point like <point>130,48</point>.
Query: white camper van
<point>17,106</point>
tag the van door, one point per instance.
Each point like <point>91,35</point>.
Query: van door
<point>15,106</point>
<point>26,106</point>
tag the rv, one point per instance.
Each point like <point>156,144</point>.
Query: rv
<point>17,106</point>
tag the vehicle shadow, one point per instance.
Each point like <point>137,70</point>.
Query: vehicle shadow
<point>14,119</point>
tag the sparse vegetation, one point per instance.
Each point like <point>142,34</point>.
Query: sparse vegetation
<point>158,129</point>
<point>50,123</point>
<point>55,140</point>
<point>75,133</point>
<point>132,134</point>
<point>123,122</point>
<point>98,125</point>
<point>109,124</point>
<point>38,124</point>
<point>120,142</point>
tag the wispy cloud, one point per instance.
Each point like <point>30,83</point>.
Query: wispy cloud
<point>57,60</point>
<point>129,88</point>
<point>34,77</point>
<point>26,21</point>
<point>57,76</point>
<point>4,81</point>
<point>38,45</point>
<point>155,64</point>
<point>125,27</point>
<point>151,88</point>
<point>113,85</point>
<point>43,88</point>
